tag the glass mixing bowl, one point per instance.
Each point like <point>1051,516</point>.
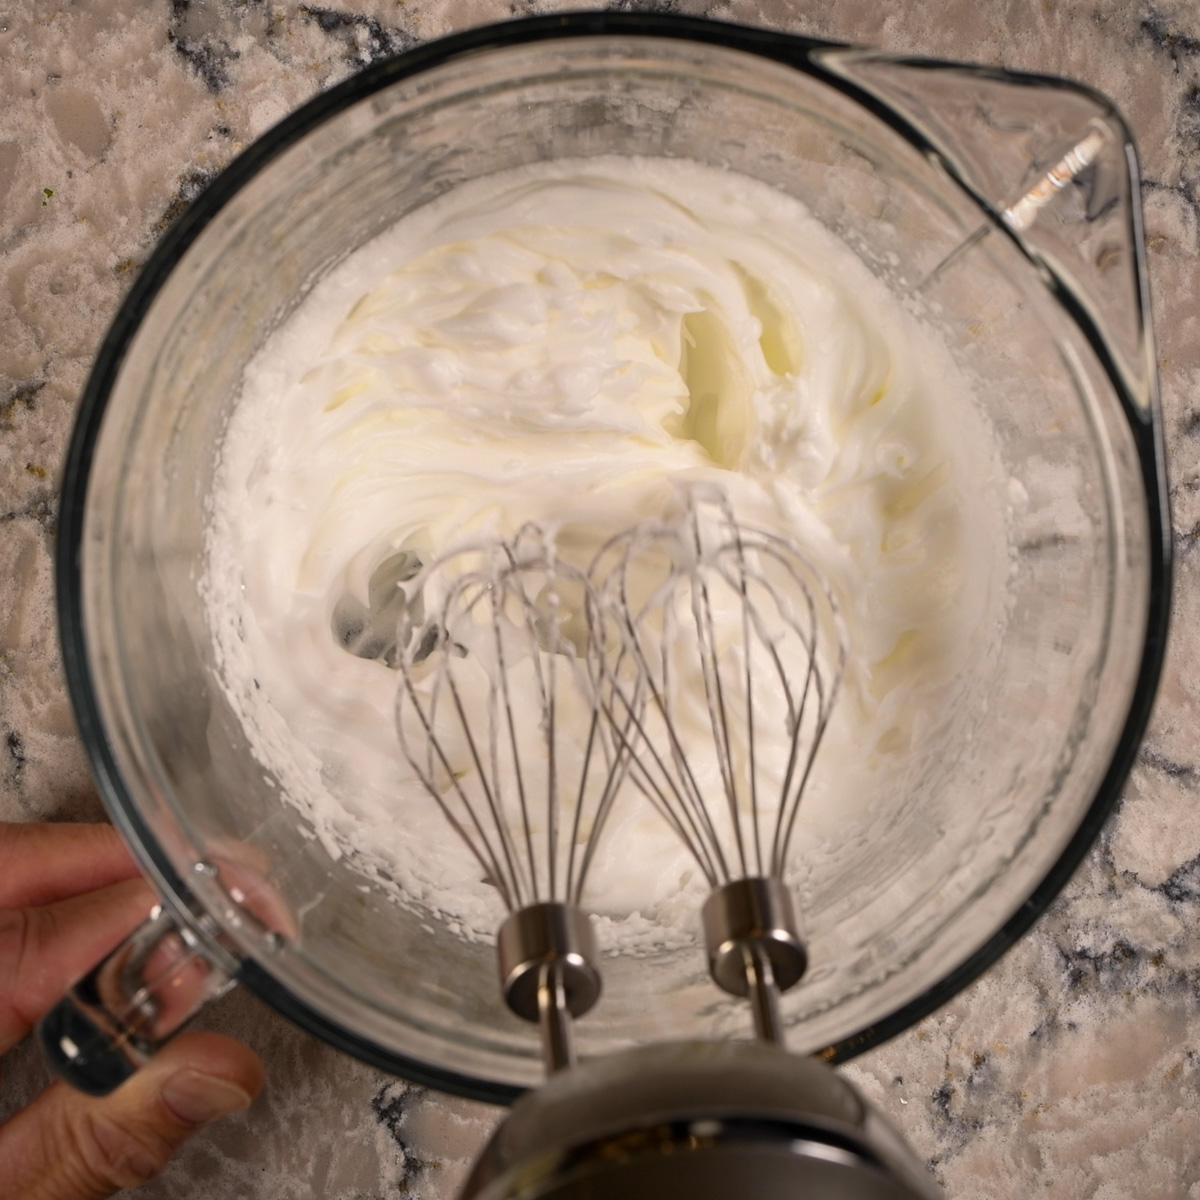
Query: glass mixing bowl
<point>1005,206</point>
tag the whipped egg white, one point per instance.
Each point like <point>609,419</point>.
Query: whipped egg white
<point>567,344</point>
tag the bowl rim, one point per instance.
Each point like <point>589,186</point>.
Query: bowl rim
<point>796,51</point>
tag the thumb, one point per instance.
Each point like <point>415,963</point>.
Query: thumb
<point>68,1146</point>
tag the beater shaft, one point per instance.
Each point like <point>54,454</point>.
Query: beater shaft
<point>554,1021</point>
<point>764,995</point>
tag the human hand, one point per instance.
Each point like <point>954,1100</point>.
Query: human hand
<point>68,895</point>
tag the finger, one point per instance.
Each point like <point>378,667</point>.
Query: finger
<point>68,1146</point>
<point>44,949</point>
<point>43,863</point>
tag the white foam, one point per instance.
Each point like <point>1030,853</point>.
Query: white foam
<point>513,351</point>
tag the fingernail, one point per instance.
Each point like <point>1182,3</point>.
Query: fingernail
<point>196,1099</point>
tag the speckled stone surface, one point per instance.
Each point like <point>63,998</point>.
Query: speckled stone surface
<point>1073,1068</point>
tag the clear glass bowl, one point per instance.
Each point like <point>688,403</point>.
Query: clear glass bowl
<point>1007,204</point>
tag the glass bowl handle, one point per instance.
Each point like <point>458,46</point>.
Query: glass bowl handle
<point>114,1019</point>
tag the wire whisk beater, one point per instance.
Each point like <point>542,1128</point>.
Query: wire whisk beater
<point>497,715</point>
<point>732,657</point>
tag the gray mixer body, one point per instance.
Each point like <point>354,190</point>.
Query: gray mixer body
<point>698,1121</point>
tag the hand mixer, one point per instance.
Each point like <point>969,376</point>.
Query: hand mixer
<point>699,659</point>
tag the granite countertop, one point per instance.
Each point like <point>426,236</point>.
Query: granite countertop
<point>1072,1068</point>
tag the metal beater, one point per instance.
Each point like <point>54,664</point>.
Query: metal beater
<point>528,791</point>
<point>714,609</point>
